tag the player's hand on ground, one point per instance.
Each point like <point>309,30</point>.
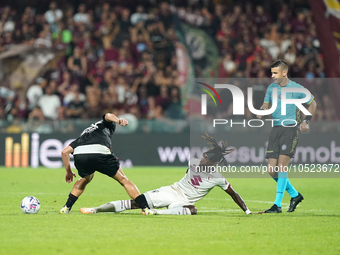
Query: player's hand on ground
<point>304,127</point>
<point>69,177</point>
<point>123,122</point>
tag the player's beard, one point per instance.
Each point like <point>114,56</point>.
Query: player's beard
<point>278,80</point>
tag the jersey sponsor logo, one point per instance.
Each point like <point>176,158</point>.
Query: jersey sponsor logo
<point>196,180</point>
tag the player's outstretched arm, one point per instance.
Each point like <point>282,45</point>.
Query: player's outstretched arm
<point>113,118</point>
<point>65,155</point>
<point>238,200</point>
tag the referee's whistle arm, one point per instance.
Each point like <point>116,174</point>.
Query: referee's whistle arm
<point>304,127</point>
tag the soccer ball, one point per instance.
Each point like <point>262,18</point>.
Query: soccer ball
<point>30,205</point>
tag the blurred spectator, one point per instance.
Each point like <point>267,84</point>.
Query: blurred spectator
<point>86,41</point>
<point>139,15</point>
<point>75,109</point>
<point>96,75</point>
<point>81,16</point>
<point>64,84</point>
<point>36,122</point>
<point>227,67</point>
<point>107,80</point>
<point>174,110</point>
<point>49,103</point>
<point>42,41</point>
<point>25,35</point>
<point>163,98</point>
<point>20,105</point>
<point>120,89</point>
<point>6,98</point>
<point>298,25</point>
<point>290,55</point>
<point>77,62</point>
<point>165,15</point>
<point>53,15</point>
<point>125,23</point>
<point>155,112</point>
<point>7,23</point>
<point>65,34</point>
<point>261,19</point>
<point>71,94</point>
<point>7,41</point>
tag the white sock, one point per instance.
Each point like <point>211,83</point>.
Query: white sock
<point>175,211</point>
<point>115,206</point>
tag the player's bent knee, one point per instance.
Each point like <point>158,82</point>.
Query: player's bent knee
<point>193,209</point>
<point>89,178</point>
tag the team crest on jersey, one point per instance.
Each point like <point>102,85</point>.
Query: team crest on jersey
<point>284,147</point>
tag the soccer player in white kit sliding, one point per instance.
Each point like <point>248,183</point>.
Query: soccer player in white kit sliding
<point>180,197</point>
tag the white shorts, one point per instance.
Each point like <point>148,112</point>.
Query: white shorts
<point>165,197</point>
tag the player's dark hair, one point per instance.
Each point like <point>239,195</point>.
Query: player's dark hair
<point>217,152</point>
<point>280,63</point>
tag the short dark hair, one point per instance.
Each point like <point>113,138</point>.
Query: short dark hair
<point>280,63</point>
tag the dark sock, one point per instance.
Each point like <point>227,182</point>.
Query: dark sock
<point>141,201</point>
<point>71,200</point>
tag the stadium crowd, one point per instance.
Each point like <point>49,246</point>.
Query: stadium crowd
<point>122,58</point>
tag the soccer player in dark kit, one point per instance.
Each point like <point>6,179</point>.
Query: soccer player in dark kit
<point>92,152</point>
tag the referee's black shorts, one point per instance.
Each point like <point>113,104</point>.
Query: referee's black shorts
<point>283,141</point>
<point>87,164</point>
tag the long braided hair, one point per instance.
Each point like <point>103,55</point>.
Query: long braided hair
<point>216,153</point>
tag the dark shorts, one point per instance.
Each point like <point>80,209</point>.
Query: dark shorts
<point>87,164</point>
<point>283,141</point>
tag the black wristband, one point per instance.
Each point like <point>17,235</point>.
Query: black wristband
<point>308,118</point>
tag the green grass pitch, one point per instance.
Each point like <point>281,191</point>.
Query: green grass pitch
<point>220,227</point>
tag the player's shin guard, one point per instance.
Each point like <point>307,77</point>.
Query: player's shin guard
<point>70,201</point>
<point>175,211</point>
<point>280,187</point>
